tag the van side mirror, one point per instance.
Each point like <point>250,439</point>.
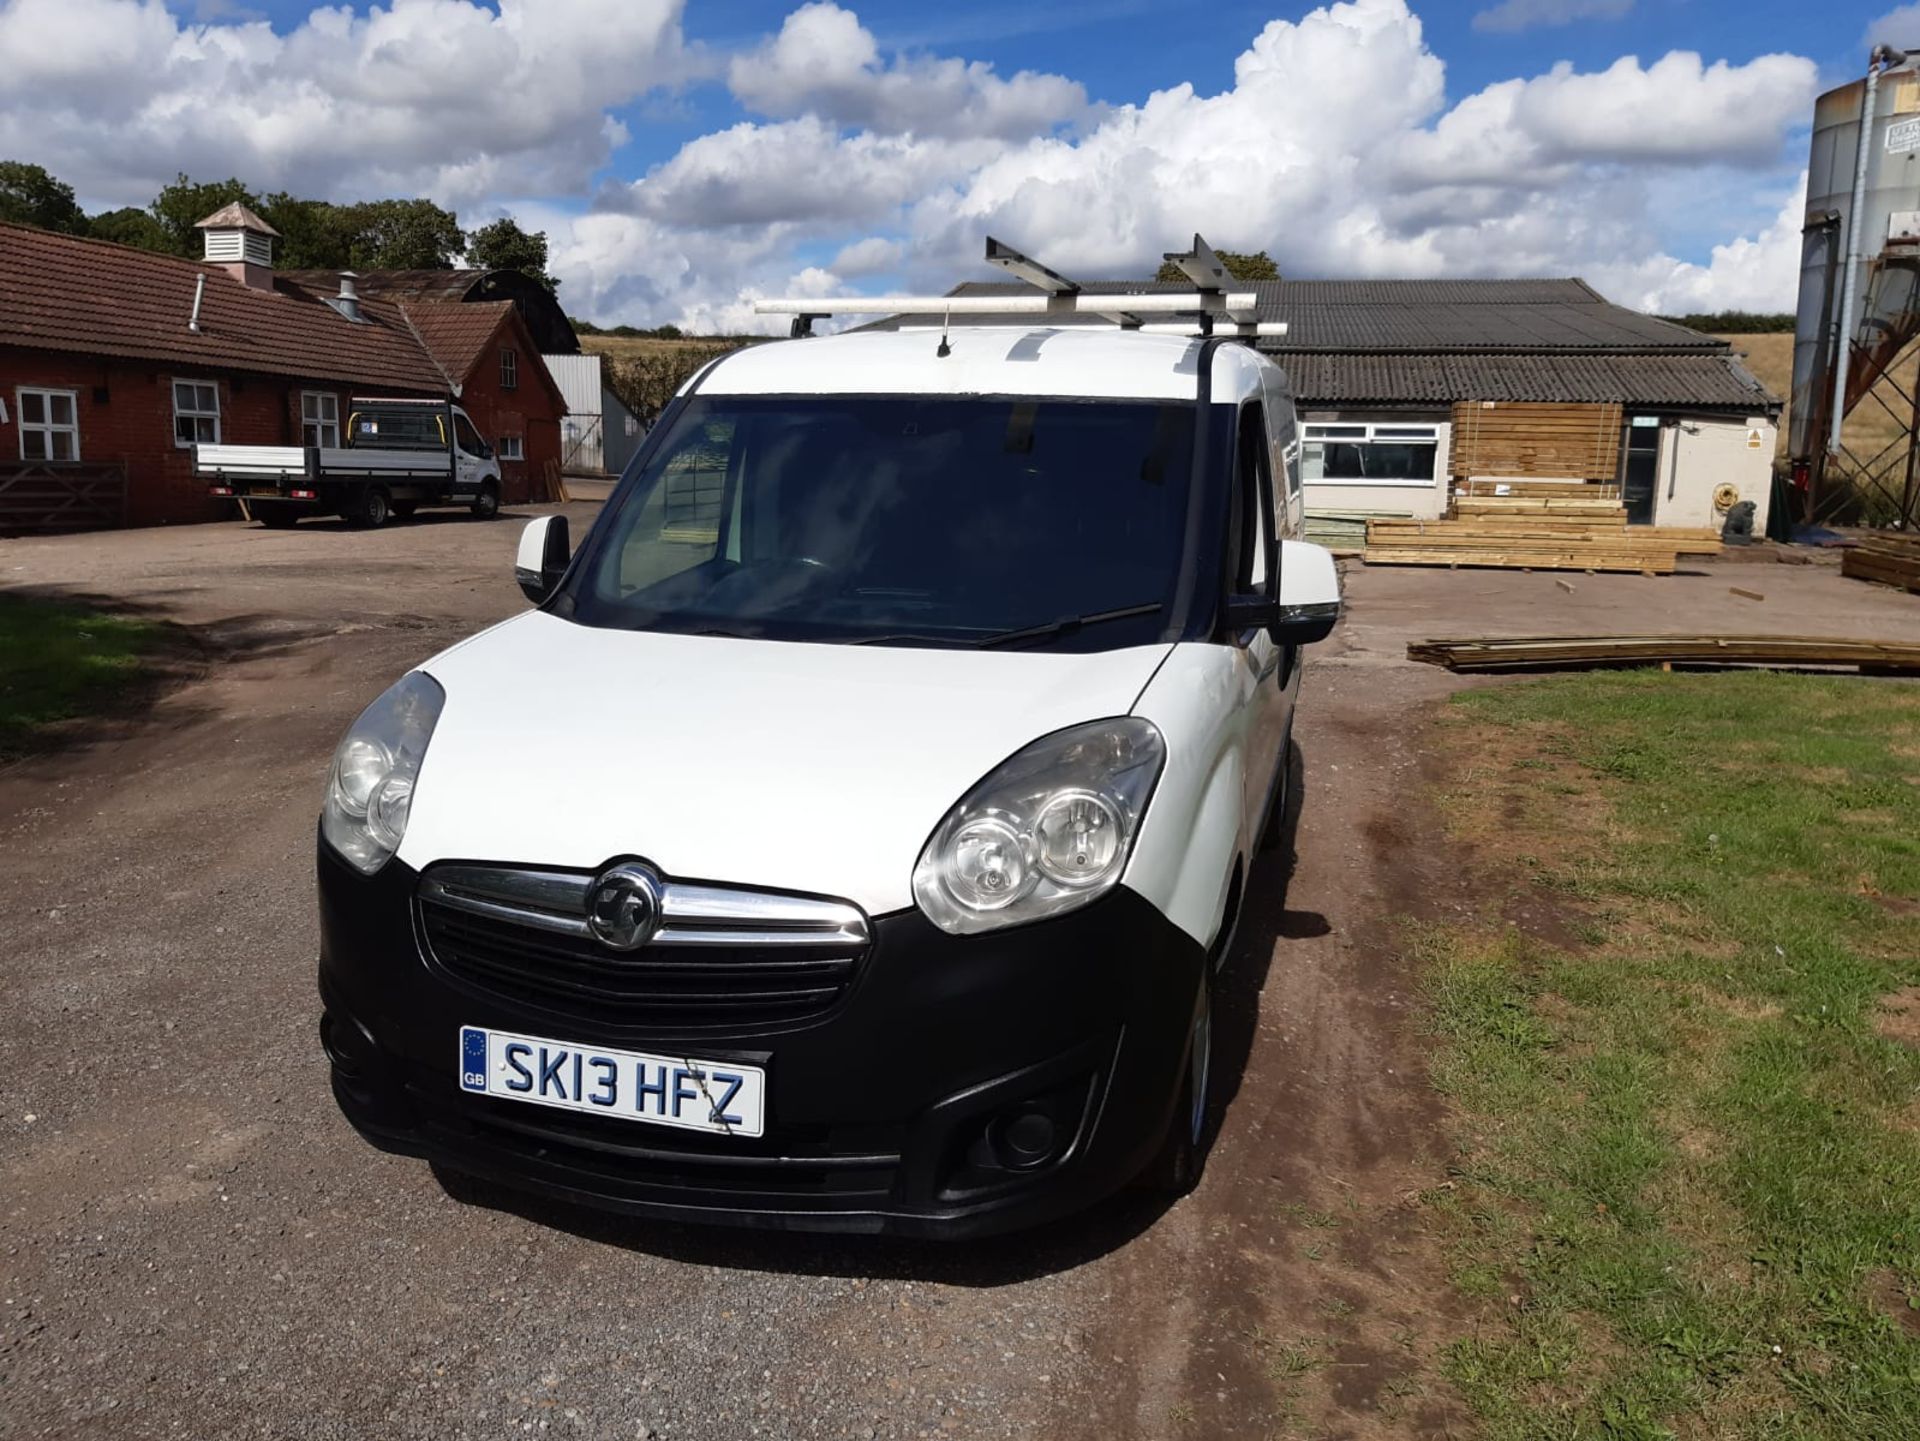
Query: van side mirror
<point>542,557</point>
<point>1309,605</point>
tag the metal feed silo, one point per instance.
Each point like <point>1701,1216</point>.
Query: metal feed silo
<point>1857,280</point>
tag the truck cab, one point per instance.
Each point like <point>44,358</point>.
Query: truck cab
<point>937,692</point>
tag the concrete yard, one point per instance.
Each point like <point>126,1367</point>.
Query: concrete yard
<point>193,1243</point>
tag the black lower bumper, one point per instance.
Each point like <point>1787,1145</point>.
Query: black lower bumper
<point>909,1108</point>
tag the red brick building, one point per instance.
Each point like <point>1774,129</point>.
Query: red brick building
<point>114,361</point>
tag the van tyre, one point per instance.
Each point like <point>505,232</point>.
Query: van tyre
<point>486,505</point>
<point>1176,1169</point>
<point>373,508</point>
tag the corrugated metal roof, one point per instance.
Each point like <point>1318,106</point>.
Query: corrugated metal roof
<point>61,292</point>
<point>578,377</point>
<point>1426,316</point>
<point>1437,381</point>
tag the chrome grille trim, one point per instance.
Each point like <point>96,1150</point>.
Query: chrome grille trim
<point>690,915</point>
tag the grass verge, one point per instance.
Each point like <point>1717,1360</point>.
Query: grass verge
<point>59,660</point>
<point>1687,1094</point>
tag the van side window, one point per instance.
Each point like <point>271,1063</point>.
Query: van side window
<point>469,437</point>
<point>1253,502</point>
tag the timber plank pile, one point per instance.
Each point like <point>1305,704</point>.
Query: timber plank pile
<point>1573,652</point>
<point>1888,557</point>
<point>1559,528</point>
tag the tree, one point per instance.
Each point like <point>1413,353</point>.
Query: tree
<point>183,204</point>
<point>402,235</point>
<point>314,234</point>
<point>131,226</point>
<point>30,196</point>
<point>1255,266</point>
<point>503,245</point>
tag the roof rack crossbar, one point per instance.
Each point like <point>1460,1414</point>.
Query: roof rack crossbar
<point>1231,306</point>
<point>1209,309</point>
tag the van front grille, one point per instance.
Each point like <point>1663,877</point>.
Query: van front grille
<point>721,957</point>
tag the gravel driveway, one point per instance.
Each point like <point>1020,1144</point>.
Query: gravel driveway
<point>193,1243</point>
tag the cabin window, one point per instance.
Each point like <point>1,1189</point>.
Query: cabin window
<point>320,418</point>
<point>510,448</point>
<point>196,412</point>
<point>49,424</point>
<point>1351,454</point>
<point>509,370</point>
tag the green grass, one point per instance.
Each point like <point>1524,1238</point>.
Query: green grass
<point>1687,1178</point>
<point>59,660</point>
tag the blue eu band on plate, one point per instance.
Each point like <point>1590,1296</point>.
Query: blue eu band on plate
<point>724,1097</point>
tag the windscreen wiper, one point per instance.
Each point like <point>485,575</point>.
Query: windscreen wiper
<point>1067,623</point>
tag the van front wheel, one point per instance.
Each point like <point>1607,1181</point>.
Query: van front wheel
<point>486,505</point>
<point>1183,1154</point>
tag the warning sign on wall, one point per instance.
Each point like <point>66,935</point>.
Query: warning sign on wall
<point>1753,440</point>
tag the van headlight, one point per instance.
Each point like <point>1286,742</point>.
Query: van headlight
<point>370,788</point>
<point>1048,830</point>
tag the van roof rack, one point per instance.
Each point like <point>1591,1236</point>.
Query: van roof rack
<point>1208,309</point>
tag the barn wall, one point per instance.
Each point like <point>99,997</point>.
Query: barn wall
<point>125,410</point>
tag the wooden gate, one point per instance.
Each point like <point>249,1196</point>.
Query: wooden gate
<point>1529,441</point>
<point>40,498</point>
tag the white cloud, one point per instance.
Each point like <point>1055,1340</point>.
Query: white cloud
<point>1511,15</point>
<point>1747,273</point>
<point>824,62</point>
<point>1899,28</point>
<point>1335,147</point>
<point>443,97</point>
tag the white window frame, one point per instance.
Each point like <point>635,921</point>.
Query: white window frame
<point>511,448</point>
<point>194,412</point>
<point>322,422</point>
<point>1360,432</point>
<point>509,368</point>
<point>46,428</point>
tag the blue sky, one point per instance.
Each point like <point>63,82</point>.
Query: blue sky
<point>684,157</point>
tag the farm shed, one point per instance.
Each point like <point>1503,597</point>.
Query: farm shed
<point>114,362</point>
<point>1405,387</point>
<point>600,434</point>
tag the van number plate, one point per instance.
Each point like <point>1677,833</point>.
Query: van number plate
<point>695,1095</point>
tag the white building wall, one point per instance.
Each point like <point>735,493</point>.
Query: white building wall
<point>1697,457</point>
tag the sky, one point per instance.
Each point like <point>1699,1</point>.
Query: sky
<point>687,156</point>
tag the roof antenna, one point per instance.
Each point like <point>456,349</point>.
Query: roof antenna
<point>946,324</point>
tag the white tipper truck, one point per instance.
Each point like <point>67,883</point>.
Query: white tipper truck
<point>399,455</point>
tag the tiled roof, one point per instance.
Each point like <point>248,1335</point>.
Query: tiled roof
<point>455,333</point>
<point>1715,382</point>
<point>60,292</point>
<point>1426,316</point>
<point>393,284</point>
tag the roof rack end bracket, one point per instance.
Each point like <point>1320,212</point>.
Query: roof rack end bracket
<point>1028,269</point>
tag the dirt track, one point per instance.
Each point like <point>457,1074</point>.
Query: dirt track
<point>193,1243</point>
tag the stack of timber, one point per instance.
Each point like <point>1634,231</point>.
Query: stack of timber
<point>1485,489</point>
<point>1342,531</point>
<point>1544,532</point>
<point>1888,557</point>
<point>1572,652</point>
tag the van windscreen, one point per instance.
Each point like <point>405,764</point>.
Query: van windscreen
<point>897,518</point>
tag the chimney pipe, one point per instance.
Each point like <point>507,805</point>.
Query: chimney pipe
<point>348,302</point>
<point>199,294</point>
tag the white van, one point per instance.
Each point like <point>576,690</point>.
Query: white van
<point>849,837</point>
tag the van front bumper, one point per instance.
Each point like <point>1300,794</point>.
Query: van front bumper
<point>963,1085</point>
